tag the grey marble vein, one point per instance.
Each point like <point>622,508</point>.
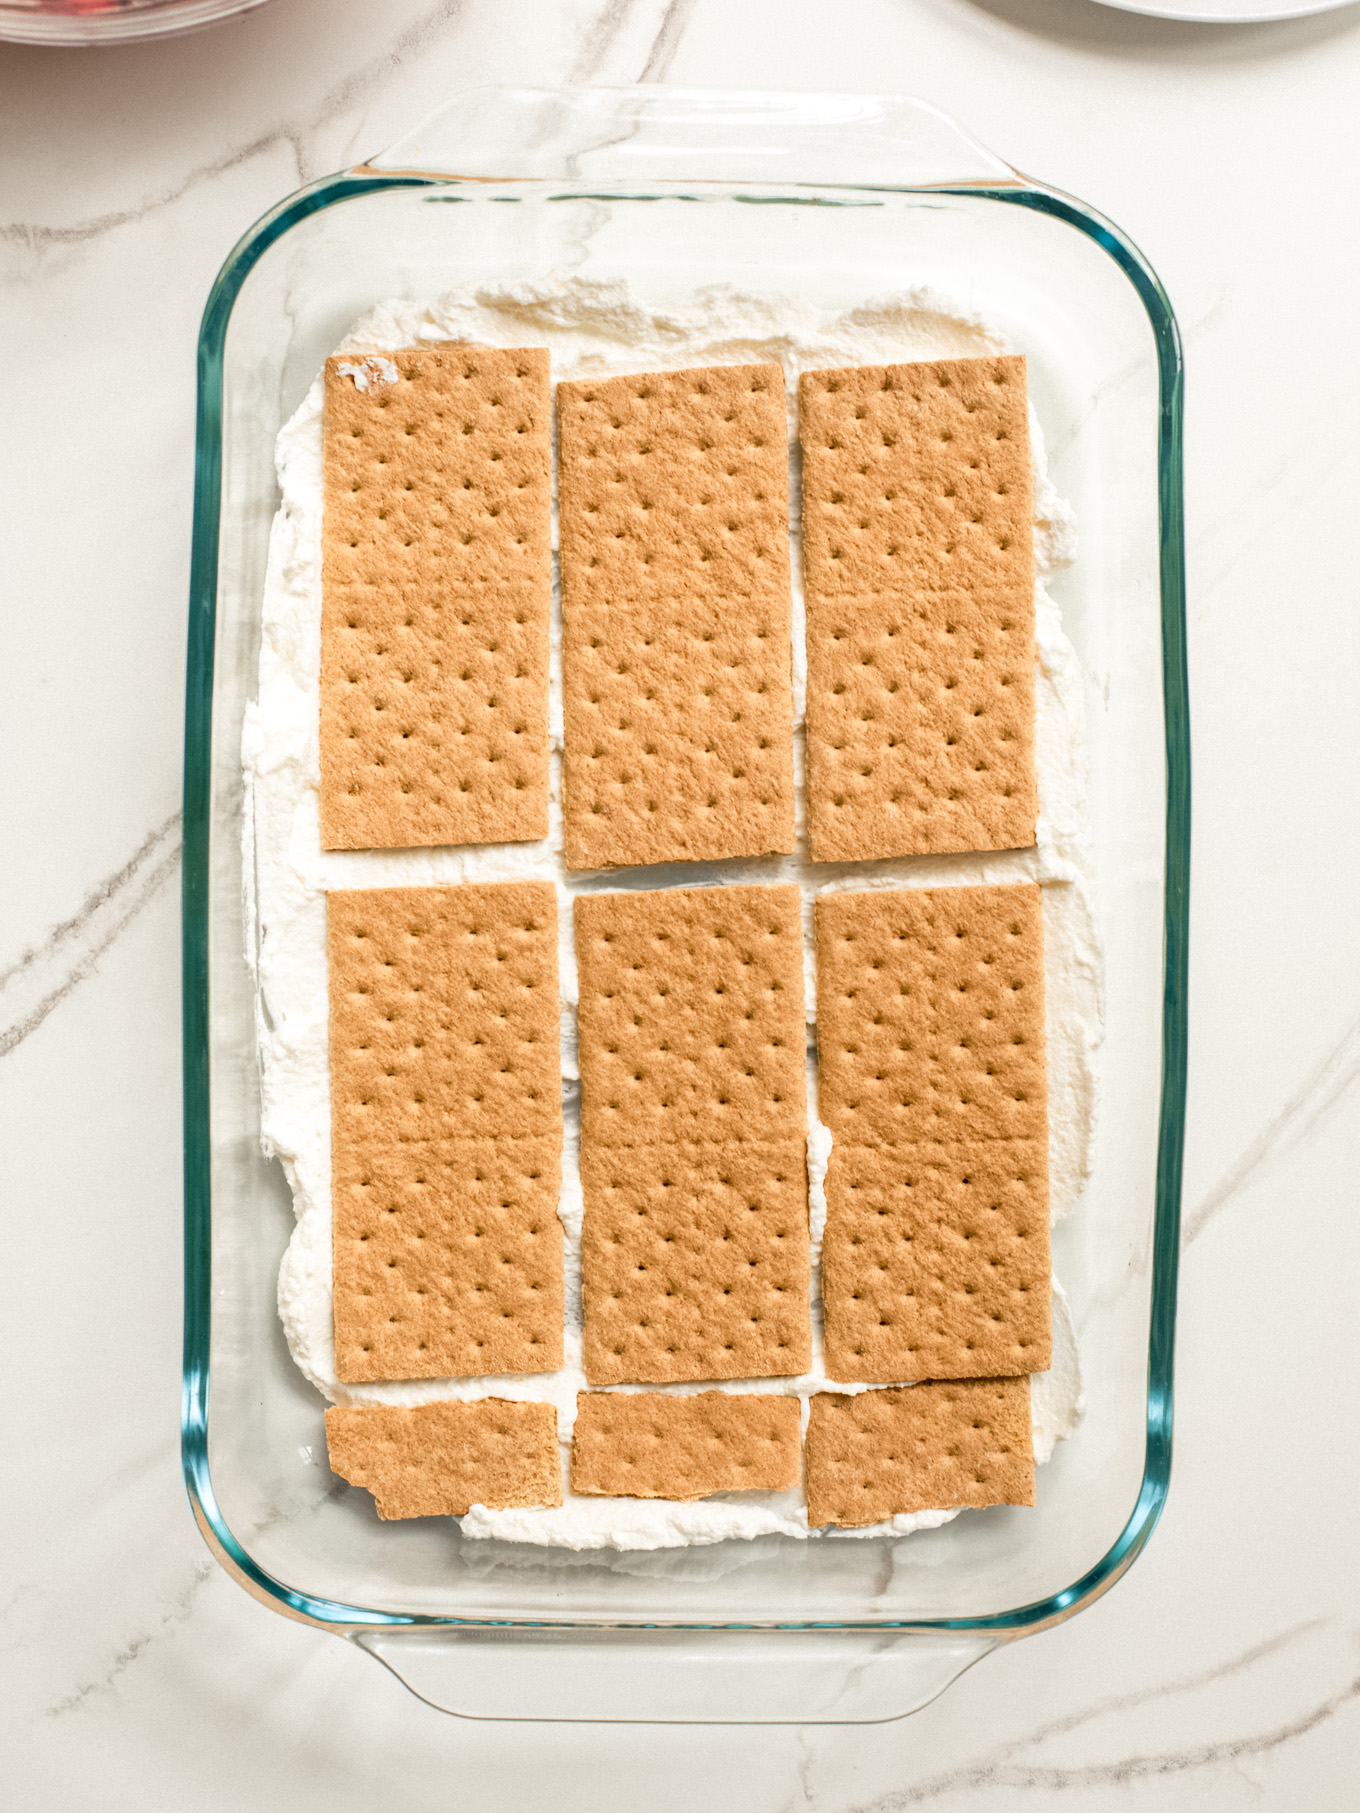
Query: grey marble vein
<point>1123,1770</point>
<point>659,56</point>
<point>1163,1690</point>
<point>1060,443</point>
<point>998,1766</point>
<point>35,236</point>
<point>667,41</point>
<point>1311,1103</point>
<point>1142,362</point>
<point>804,1763</point>
<point>610,24</point>
<point>347,93</point>
<point>356,87</point>
<point>42,978</point>
<point>136,1646</point>
<point>1003,1767</point>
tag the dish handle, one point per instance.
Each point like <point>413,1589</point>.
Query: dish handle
<point>655,134</point>
<point>750,1677</point>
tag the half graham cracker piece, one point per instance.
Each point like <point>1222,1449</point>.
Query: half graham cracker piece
<point>676,653</point>
<point>652,1444</point>
<point>694,1245</point>
<point>438,1460</point>
<point>446,1131</point>
<point>436,592</point>
<point>932,1077</point>
<point>876,1454</point>
<point>918,572</point>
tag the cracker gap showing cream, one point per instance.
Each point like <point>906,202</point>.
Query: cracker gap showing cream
<point>600,327</point>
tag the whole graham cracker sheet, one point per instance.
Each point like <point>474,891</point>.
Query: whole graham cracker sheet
<point>678,725</point>
<point>446,1133</point>
<point>957,1443</point>
<point>930,1014</point>
<point>695,1261</point>
<point>436,597</point>
<point>651,1444</point>
<point>918,574</point>
<point>933,1080</point>
<point>440,1459</point>
<point>695,1253</point>
<point>677,643</point>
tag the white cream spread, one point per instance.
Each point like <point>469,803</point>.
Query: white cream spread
<point>371,373</point>
<point>592,326</point>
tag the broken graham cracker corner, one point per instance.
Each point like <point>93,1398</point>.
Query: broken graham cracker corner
<point>918,571</point>
<point>652,1444</point>
<point>959,1443</point>
<point>446,1131</point>
<point>439,1460</point>
<point>694,1245</point>
<point>436,593</point>
<point>932,1076</point>
<point>676,606</point>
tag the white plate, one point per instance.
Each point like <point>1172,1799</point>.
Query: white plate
<point>1226,12</point>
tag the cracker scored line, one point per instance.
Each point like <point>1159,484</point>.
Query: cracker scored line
<point>876,1454</point>
<point>677,650</point>
<point>436,594</point>
<point>441,1459</point>
<point>649,1444</point>
<point>694,1245</point>
<point>918,571</point>
<point>446,1131</point>
<point>932,1077</point>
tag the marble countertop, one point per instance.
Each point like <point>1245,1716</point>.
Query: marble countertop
<point>1224,1671</point>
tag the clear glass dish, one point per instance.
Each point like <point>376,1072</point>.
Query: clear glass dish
<point>838,198</point>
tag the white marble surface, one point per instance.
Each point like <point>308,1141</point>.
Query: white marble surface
<point>1224,1672</point>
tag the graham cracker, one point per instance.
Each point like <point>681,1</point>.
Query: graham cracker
<point>447,1258</point>
<point>446,1130</point>
<point>678,722</point>
<point>695,1262</point>
<point>876,1454</point>
<point>932,1077</point>
<point>930,1015</point>
<point>917,477</point>
<point>650,1444</point>
<point>920,724</point>
<point>695,1258</point>
<point>691,1016</point>
<point>436,595</point>
<point>438,1460</point>
<point>935,1262</point>
<point>918,570</point>
<point>677,651</point>
<point>674,483</point>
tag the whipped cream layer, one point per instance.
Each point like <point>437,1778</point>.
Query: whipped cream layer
<point>594,327</point>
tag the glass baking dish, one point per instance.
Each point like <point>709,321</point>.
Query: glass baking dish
<point>836,198</point>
